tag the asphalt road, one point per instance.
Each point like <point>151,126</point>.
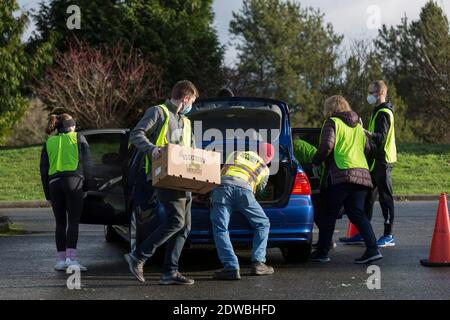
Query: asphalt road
<point>26,267</point>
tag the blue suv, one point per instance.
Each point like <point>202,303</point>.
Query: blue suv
<point>111,200</point>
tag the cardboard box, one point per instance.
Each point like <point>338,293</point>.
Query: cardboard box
<point>186,169</point>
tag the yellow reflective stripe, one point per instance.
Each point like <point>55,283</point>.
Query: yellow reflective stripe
<point>161,141</point>
<point>249,171</point>
<point>262,173</point>
<point>390,148</point>
<point>187,132</point>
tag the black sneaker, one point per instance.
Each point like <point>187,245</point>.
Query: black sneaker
<point>261,269</point>
<point>136,267</point>
<point>368,257</point>
<point>318,256</point>
<point>227,275</point>
<point>333,245</point>
<point>175,278</point>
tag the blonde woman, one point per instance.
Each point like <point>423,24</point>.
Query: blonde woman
<point>346,179</point>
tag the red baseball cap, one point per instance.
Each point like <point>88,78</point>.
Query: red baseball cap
<point>266,152</point>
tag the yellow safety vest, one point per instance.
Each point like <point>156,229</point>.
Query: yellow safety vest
<point>161,141</point>
<point>62,151</point>
<point>246,165</point>
<point>390,149</point>
<point>349,146</point>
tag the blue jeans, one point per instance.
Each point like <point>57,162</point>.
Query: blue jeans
<point>225,200</point>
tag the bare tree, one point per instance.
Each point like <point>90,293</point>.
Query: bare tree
<point>106,87</point>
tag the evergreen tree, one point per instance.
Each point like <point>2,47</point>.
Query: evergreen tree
<point>416,58</point>
<point>177,33</point>
<point>13,67</point>
<point>286,52</point>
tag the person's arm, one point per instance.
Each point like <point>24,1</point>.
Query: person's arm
<point>146,126</point>
<point>327,141</point>
<point>44,166</point>
<point>367,147</point>
<point>262,184</point>
<point>382,125</point>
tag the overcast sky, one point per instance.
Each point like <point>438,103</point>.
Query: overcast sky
<point>349,17</point>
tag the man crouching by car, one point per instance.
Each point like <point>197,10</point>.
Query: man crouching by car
<point>244,174</point>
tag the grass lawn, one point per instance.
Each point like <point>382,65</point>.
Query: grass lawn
<point>421,169</point>
<point>19,174</point>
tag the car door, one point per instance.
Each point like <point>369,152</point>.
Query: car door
<point>312,136</point>
<point>104,202</point>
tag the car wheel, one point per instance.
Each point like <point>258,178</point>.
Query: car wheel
<point>111,234</point>
<point>296,252</point>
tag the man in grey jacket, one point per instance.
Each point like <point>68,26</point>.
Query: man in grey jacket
<point>160,125</point>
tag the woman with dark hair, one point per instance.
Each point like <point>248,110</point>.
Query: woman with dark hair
<point>64,159</point>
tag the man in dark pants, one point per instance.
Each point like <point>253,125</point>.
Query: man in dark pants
<point>160,125</point>
<point>381,132</point>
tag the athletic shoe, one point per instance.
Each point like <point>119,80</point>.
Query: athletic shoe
<point>356,239</point>
<point>368,257</point>
<point>60,265</point>
<point>74,263</point>
<point>135,266</point>
<point>261,269</point>
<point>227,275</point>
<point>386,241</point>
<point>175,278</point>
<point>318,256</point>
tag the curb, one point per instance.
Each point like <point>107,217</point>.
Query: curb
<point>45,204</point>
<point>23,204</point>
<point>419,197</point>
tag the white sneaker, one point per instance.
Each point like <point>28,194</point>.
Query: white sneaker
<point>60,265</point>
<point>76,263</point>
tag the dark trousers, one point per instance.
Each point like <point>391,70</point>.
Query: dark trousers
<point>351,197</point>
<point>173,231</point>
<point>382,181</point>
<point>66,195</point>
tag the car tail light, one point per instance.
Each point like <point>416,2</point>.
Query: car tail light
<point>301,185</point>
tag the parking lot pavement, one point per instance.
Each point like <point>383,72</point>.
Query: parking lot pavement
<point>26,263</point>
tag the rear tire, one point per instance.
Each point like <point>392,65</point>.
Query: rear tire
<point>111,234</point>
<point>296,253</point>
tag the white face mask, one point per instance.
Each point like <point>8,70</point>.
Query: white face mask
<point>371,99</point>
<point>186,109</point>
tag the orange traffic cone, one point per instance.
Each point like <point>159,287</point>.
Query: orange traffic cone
<point>440,245</point>
<point>351,231</point>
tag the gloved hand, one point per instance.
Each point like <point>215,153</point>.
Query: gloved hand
<point>316,171</point>
<point>156,152</point>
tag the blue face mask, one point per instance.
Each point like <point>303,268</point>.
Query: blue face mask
<point>186,110</point>
<point>371,99</point>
